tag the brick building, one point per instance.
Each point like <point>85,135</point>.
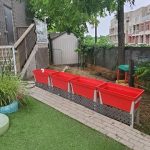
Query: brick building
<point>12,17</point>
<point>137,27</point>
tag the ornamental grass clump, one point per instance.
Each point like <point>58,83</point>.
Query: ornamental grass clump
<point>11,89</point>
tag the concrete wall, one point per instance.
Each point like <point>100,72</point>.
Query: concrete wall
<point>64,49</point>
<point>138,54</point>
<point>108,57</point>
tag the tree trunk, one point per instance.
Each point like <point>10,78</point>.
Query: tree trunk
<point>131,73</point>
<point>50,46</point>
<point>95,33</point>
<point>121,35</point>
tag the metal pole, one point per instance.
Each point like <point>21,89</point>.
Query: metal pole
<point>132,114</point>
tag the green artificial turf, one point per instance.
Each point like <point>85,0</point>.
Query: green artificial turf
<point>40,127</point>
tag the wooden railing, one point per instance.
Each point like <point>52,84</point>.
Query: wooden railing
<point>20,31</point>
<point>24,46</point>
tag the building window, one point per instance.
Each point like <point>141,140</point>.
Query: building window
<point>133,39</point>
<point>142,27</point>
<point>133,28</point>
<point>129,39</point>
<point>137,27</point>
<point>147,39</point>
<point>142,40</point>
<point>136,40</point>
<point>147,26</point>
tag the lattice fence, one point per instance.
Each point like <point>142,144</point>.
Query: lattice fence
<point>105,110</point>
<point>7,59</point>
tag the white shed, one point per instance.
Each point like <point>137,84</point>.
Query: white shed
<point>63,48</point>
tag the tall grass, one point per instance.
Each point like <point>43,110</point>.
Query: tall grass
<point>11,89</point>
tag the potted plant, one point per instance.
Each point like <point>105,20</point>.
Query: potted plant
<point>11,93</point>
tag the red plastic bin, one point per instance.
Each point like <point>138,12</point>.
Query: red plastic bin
<point>85,87</point>
<point>61,80</point>
<point>119,96</point>
<point>41,75</point>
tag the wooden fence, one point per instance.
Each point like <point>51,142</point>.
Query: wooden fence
<point>24,46</point>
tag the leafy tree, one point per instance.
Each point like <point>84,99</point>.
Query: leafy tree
<point>62,15</point>
<point>68,15</point>
<point>93,9</point>
<point>102,41</point>
<point>143,71</point>
<point>72,15</point>
<point>100,7</point>
<point>94,21</point>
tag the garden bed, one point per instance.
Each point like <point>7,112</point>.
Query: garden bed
<point>144,125</point>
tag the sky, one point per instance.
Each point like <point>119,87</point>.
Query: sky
<point>103,28</point>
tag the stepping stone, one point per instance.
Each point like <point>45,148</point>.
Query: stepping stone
<point>4,123</point>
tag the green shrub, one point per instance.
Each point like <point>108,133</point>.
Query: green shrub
<point>102,42</point>
<point>143,73</point>
<point>11,89</point>
<point>87,48</point>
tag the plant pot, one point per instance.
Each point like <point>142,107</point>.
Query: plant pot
<point>13,107</point>
<point>4,124</point>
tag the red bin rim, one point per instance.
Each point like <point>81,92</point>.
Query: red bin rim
<point>101,88</point>
<point>45,71</point>
<point>64,76</point>
<point>86,82</point>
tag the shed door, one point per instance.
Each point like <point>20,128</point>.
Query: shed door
<point>9,25</point>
